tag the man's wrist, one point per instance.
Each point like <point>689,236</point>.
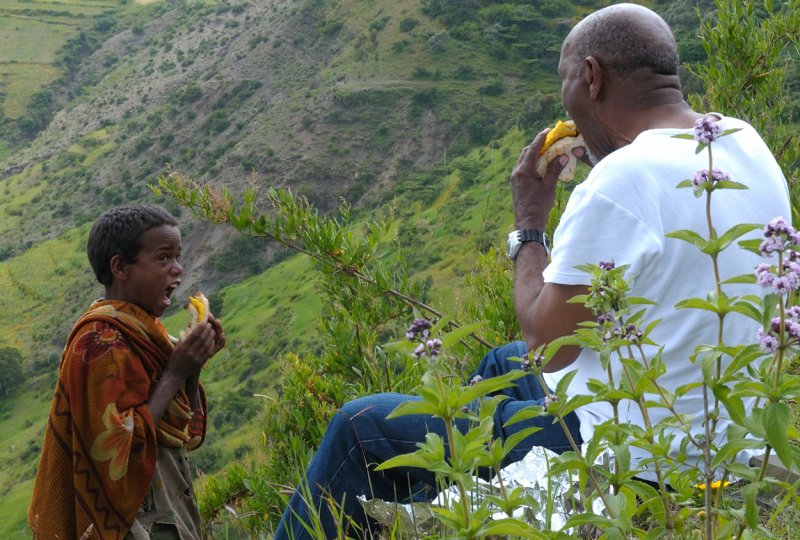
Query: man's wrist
<point>518,238</point>
<point>530,223</point>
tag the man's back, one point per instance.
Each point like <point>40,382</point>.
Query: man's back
<point>622,213</point>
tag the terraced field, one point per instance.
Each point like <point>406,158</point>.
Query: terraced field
<point>31,34</point>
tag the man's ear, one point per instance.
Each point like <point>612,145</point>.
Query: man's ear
<point>119,268</point>
<point>593,76</point>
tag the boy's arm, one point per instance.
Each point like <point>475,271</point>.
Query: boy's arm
<point>184,365</point>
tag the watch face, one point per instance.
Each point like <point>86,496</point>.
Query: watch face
<point>512,245</point>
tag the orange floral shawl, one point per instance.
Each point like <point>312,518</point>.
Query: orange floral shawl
<point>99,449</point>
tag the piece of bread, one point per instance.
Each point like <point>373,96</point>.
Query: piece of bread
<point>560,141</point>
<point>197,306</point>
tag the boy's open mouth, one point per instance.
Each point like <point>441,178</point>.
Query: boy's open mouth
<point>168,293</point>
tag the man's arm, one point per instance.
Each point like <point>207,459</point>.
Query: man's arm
<point>542,309</point>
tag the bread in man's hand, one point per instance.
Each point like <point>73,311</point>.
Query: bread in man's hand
<point>560,141</point>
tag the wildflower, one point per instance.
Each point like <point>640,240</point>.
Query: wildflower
<point>525,365</point>
<point>779,236</point>
<point>763,275</point>
<point>769,343</point>
<point>548,400</point>
<point>706,130</point>
<point>605,318</point>
<point>475,380</point>
<point>434,346</point>
<point>701,177</point>
<point>606,265</point>
<point>778,226</point>
<point>793,327</point>
<point>420,350</point>
<point>538,359</point>
<point>419,326</point>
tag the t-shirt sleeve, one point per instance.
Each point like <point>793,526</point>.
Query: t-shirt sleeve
<point>596,229</point>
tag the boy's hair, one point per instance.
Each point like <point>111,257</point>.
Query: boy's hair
<point>117,232</point>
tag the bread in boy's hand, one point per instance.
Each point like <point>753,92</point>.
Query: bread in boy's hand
<point>197,306</point>
<point>560,141</point>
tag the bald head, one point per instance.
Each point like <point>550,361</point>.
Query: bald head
<point>626,37</point>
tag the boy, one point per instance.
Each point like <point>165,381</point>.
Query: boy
<point>128,403</point>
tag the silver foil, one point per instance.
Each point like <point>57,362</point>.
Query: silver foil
<point>552,498</point>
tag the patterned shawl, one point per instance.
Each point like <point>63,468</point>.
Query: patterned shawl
<point>99,449</point>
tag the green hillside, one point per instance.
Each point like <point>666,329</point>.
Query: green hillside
<point>416,107</point>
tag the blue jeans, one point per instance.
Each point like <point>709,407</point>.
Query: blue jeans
<point>359,437</point>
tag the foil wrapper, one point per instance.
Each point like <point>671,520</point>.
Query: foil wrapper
<point>553,498</point>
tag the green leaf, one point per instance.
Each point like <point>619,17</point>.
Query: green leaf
<point>688,236</point>
<point>404,347</point>
<point>747,309</point>
<point>751,245</point>
<point>563,384</point>
<point>729,184</point>
<point>413,407</point>
<point>404,460</point>
<point>733,404</point>
<point>735,232</point>
<point>777,418</point>
<point>683,136</point>
<point>696,303</point>
<point>452,338</point>
<point>588,519</point>
<point>729,131</point>
<point>509,527</point>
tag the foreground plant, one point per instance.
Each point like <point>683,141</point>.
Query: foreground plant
<point>749,383</point>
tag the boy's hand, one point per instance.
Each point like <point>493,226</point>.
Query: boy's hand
<point>191,353</point>
<point>184,365</point>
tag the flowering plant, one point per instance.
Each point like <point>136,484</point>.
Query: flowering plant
<point>684,498</point>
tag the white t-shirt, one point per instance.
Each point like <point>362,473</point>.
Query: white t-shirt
<point>621,213</point>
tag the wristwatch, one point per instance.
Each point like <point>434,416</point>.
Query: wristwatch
<point>517,238</point>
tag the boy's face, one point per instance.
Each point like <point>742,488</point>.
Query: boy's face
<point>150,281</point>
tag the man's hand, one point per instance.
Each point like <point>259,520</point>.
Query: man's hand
<point>542,309</point>
<point>533,195</point>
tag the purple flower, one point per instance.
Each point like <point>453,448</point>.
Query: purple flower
<point>419,351</point>
<point>606,265</point>
<point>419,326</point>
<point>763,275</point>
<point>700,177</point>
<point>775,324</point>
<point>538,360</point>
<point>793,312</point>
<point>475,380</point>
<point>793,328</point>
<point>434,346</point>
<point>706,130</point>
<point>548,400</point>
<point>771,245</point>
<point>778,226</point>
<point>768,342</point>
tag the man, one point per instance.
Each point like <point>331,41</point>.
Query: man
<point>621,87</point>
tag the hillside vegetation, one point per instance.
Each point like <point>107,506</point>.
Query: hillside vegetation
<point>413,109</point>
